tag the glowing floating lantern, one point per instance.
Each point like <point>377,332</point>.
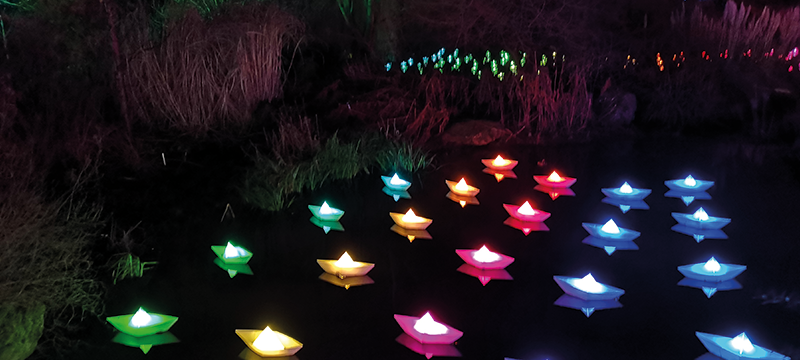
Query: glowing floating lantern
<point>462,200</point>
<point>269,343</point>
<point>739,347</point>
<point>396,194</point>
<point>711,271</point>
<point>499,175</point>
<point>554,180</point>
<point>701,220</point>
<point>346,282</point>
<point>234,269</point>
<point>345,266</point>
<point>610,231</point>
<point>609,246</point>
<point>396,183</point>
<point>484,258</point>
<point>410,221</point>
<point>429,350</point>
<point>499,163</point>
<point>425,330</point>
<point>145,343</point>
<point>554,192</point>
<point>142,323</point>
<point>526,212</point>
<point>689,183</point>
<point>462,188</point>
<point>484,275</point>
<point>411,234</point>
<point>626,192</point>
<point>587,288</point>
<point>525,226</point>
<point>231,254</point>
<point>688,196</point>
<point>710,287</point>
<point>325,212</point>
<point>626,205</point>
<point>699,234</point>
<point>587,307</point>
<point>326,226</point>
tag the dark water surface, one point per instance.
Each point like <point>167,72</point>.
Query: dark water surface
<point>755,187</point>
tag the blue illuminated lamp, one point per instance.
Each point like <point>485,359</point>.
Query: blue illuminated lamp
<point>710,288</point>
<point>395,183</point>
<point>142,323</point>
<point>626,205</point>
<point>587,288</point>
<point>626,192</point>
<point>688,196</point>
<point>711,270</point>
<point>736,348</point>
<point>325,212</point>
<point>610,246</point>
<point>232,254</point>
<point>701,220</point>
<point>587,307</point>
<point>610,231</point>
<point>689,183</point>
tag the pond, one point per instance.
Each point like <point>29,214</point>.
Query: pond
<point>755,186</point>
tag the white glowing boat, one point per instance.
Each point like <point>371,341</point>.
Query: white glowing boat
<point>554,180</point>
<point>427,331</point>
<point>410,221</point>
<point>484,258</point>
<point>610,246</point>
<point>526,213</point>
<point>712,271</point>
<point>736,348</point>
<point>699,234</point>
<point>610,231</point>
<point>689,184</point>
<point>700,219</point>
<point>326,213</point>
<point>345,266</point>
<point>499,163</point>
<point>626,192</point>
<point>269,343</point>
<point>587,307</point>
<point>626,205</point>
<point>396,183</point>
<point>587,288</point>
<point>461,188</point>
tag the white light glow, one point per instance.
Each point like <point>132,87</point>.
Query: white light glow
<point>396,180</point>
<point>462,185</point>
<point>625,188</point>
<point>410,217</point>
<point>268,341</point>
<point>554,177</point>
<point>701,215</point>
<point>742,343</point>
<point>689,181</point>
<point>712,265</point>
<point>484,255</point>
<point>499,161</point>
<point>610,227</point>
<point>345,261</point>
<point>526,209</point>
<point>427,326</point>
<point>140,318</point>
<point>325,209</point>
<point>589,284</point>
<point>233,251</point>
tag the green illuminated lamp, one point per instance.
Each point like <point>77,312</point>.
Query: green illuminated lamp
<point>234,269</point>
<point>325,212</point>
<point>145,343</point>
<point>230,254</point>
<point>141,323</point>
<point>327,226</point>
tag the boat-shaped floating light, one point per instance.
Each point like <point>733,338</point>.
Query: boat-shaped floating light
<point>587,307</point>
<point>688,196</point>
<point>345,266</point>
<point>396,194</point>
<point>426,330</point>
<point>525,226</point>
<point>484,258</point>
<point>499,175</point>
<point>428,350</point>
<point>587,288</point>
<point>347,282</point>
<point>699,234</point>
<point>325,212</point>
<point>232,254</point>
<point>710,288</point>
<point>626,205</point>
<point>554,180</point>
<point>396,183</point>
<point>411,234</point>
<point>234,269</point>
<point>145,343</point>
<point>712,271</point>
<point>269,343</point>
<point>410,221</point>
<point>462,188</point>
<point>554,192</point>
<point>326,226</point>
<point>610,246</point>
<point>626,192</point>
<point>526,212</point>
<point>610,231</point>
<point>484,275</point>
<point>142,323</point>
<point>462,200</point>
<point>701,220</point>
<point>689,183</point>
<point>499,163</point>
<point>736,348</point>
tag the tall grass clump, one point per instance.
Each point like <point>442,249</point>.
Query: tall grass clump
<point>205,75</point>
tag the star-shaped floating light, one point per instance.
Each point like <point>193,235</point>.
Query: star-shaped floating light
<point>701,220</point>
<point>554,180</point>
<point>142,323</point>
<point>587,307</point>
<point>232,254</point>
<point>626,192</point>
<point>610,246</point>
<point>587,288</point>
<point>410,220</point>
<point>396,183</point>
<point>735,348</point>
<point>461,188</point>
<point>325,212</point>
<point>711,271</point>
<point>425,330</point>
<point>345,266</point>
<point>484,258</point>
<point>499,163</point>
<point>526,212</point>
<point>269,343</point>
<point>610,231</point>
<point>689,183</point>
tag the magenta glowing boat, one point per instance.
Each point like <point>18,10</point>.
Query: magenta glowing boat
<point>484,258</point>
<point>526,213</point>
<point>554,180</point>
<point>427,331</point>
